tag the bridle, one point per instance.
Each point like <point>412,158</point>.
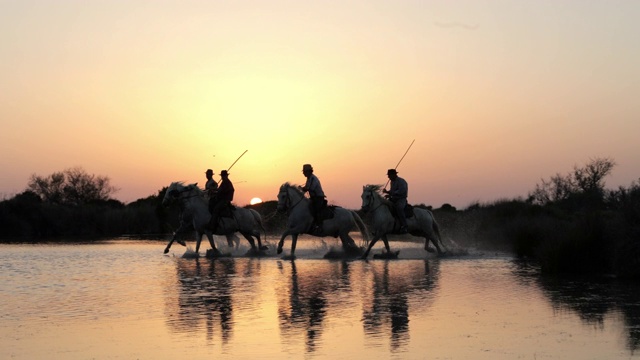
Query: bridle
<point>369,200</point>
<point>287,200</point>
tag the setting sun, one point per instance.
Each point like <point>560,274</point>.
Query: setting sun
<point>255,200</point>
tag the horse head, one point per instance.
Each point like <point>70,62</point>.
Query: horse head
<point>370,193</point>
<point>175,191</point>
<point>285,200</point>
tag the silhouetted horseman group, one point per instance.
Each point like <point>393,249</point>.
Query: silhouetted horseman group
<point>309,215</point>
<point>221,196</point>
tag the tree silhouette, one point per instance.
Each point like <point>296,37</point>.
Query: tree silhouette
<point>73,186</point>
<point>586,181</point>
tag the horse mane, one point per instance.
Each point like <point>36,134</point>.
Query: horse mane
<point>295,187</point>
<point>377,191</point>
<point>196,188</point>
<point>375,188</point>
<point>181,186</point>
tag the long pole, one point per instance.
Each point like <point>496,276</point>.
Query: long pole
<point>229,168</point>
<point>398,164</point>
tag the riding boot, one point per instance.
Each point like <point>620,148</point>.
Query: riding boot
<point>213,224</point>
<point>316,226</point>
<point>403,227</point>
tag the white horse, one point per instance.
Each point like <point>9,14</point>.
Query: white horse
<point>292,200</point>
<point>422,224</point>
<point>245,221</point>
<point>186,224</point>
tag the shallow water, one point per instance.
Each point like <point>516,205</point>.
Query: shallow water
<point>124,299</point>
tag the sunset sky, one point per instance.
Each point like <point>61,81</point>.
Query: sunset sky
<point>496,94</point>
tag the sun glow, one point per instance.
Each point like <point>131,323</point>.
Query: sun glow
<point>255,200</point>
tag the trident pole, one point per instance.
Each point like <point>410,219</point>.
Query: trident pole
<point>398,164</point>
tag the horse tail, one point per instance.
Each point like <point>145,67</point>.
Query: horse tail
<point>361,226</point>
<point>258,218</point>
<point>436,228</point>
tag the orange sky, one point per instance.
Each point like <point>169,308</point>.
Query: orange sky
<point>496,94</point>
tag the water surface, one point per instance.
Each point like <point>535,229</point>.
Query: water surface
<point>124,299</point>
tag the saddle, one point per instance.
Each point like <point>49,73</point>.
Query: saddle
<point>408,211</point>
<point>325,213</point>
<point>227,211</point>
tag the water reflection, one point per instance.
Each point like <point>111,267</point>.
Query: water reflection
<point>389,306</point>
<point>204,297</point>
<point>303,306</point>
<point>592,300</point>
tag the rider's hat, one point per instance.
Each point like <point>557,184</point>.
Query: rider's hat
<point>209,171</point>
<point>392,172</point>
<point>307,167</point>
<point>224,173</point>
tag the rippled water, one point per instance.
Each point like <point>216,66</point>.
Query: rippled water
<point>125,300</point>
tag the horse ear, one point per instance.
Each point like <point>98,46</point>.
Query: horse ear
<point>363,187</point>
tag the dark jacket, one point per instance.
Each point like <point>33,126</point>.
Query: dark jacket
<point>399,189</point>
<point>225,191</point>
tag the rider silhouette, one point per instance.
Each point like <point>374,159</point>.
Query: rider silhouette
<point>316,195</point>
<point>223,199</point>
<point>211,188</point>
<point>398,195</point>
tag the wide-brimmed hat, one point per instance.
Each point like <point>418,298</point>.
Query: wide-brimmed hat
<point>392,172</point>
<point>209,171</point>
<point>224,173</point>
<point>307,167</point>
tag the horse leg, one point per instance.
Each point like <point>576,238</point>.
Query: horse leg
<point>371,243</point>
<point>347,241</point>
<point>198,240</point>
<point>261,247</point>
<point>434,241</point>
<point>181,229</point>
<point>386,243</point>
<point>281,242</point>
<point>348,244</point>
<point>294,241</point>
<point>250,239</point>
<point>214,250</point>
<point>257,235</point>
<point>166,250</point>
<point>231,239</point>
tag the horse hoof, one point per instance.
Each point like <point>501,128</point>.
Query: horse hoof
<point>182,243</point>
<point>279,250</point>
<point>211,253</point>
<point>264,248</point>
<point>387,255</point>
<point>253,252</point>
<point>166,250</point>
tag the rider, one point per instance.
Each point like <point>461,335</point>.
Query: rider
<point>398,195</point>
<point>316,194</point>
<point>211,188</point>
<point>223,200</point>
